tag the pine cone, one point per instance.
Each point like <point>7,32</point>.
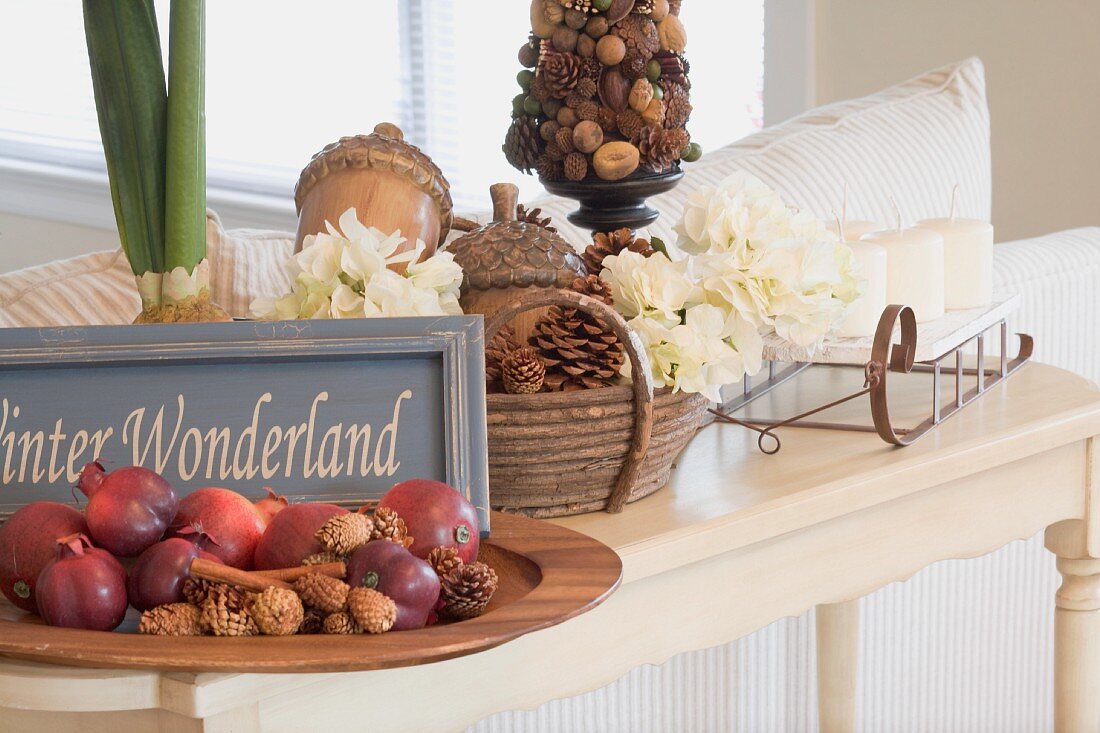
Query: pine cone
<point>639,33</point>
<point>444,560</point>
<point>605,244</point>
<point>320,592</point>
<point>630,123</point>
<point>549,169</point>
<point>677,106</point>
<point>540,90</point>
<point>533,217</point>
<point>172,619</point>
<point>195,590</point>
<point>503,342</point>
<point>588,110</point>
<point>594,287</point>
<point>643,7</point>
<point>564,139</point>
<point>372,611</point>
<point>586,88</point>
<point>277,611</point>
<point>553,151</point>
<point>340,623</point>
<point>313,622</point>
<point>344,533</point>
<point>225,612</point>
<point>560,72</point>
<point>389,526</point>
<point>523,372</point>
<point>576,166</point>
<point>591,68</point>
<point>607,119</point>
<point>658,149</point>
<point>324,558</point>
<point>466,590</point>
<point>578,350</point>
<point>522,145</point>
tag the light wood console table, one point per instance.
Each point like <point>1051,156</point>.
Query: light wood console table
<point>738,540</point>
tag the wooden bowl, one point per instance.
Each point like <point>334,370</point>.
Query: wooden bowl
<point>548,574</point>
<point>391,184</point>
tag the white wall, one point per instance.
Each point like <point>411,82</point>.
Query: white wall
<point>1043,73</point>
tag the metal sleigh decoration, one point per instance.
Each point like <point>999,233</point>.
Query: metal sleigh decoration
<point>887,357</point>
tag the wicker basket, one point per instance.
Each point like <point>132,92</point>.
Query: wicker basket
<point>561,453</point>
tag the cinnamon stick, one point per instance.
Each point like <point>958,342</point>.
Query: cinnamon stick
<point>331,569</point>
<point>218,573</point>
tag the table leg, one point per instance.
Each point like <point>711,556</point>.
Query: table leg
<point>1076,630</point>
<point>837,665</point>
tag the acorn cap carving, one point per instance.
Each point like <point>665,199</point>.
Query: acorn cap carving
<point>508,253</point>
<point>385,149</point>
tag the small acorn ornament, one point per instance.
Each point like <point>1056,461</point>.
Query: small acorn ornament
<point>507,258</point>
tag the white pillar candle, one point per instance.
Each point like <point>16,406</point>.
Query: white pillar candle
<point>864,313</point>
<point>855,228</point>
<point>968,260</point>
<point>914,269</point>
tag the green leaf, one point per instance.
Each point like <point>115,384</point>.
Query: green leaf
<point>131,102</point>
<point>185,215</point>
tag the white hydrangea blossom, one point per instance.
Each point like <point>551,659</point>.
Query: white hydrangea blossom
<point>345,273</point>
<point>754,266</point>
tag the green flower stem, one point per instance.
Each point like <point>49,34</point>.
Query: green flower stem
<point>128,80</point>
<point>185,200</point>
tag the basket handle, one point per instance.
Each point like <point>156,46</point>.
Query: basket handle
<point>639,363</point>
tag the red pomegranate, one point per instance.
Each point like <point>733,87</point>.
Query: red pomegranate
<point>271,504</point>
<point>157,576</point>
<point>84,587</point>
<point>28,542</point>
<point>436,515</point>
<point>229,519</point>
<point>394,571</point>
<point>128,508</point>
<point>289,538</point>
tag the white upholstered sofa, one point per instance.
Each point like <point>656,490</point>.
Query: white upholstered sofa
<point>961,647</point>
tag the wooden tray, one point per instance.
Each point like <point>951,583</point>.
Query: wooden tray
<point>548,574</point>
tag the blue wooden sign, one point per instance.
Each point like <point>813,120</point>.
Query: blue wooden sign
<point>334,411</point>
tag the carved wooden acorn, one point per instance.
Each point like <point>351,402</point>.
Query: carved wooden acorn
<point>391,184</point>
<point>506,258</point>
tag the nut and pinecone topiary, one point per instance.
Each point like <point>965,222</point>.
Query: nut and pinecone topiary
<point>386,525</point>
<point>444,559</point>
<point>344,533</point>
<point>340,622</point>
<point>466,590</point>
<point>327,595</point>
<point>276,611</point>
<point>578,350</point>
<point>372,611</point>
<point>605,244</point>
<point>523,372</point>
<point>522,145</point>
<point>172,619</point>
<point>225,612</point>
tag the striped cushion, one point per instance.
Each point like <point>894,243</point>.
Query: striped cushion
<point>914,142</point>
<point>98,288</point>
